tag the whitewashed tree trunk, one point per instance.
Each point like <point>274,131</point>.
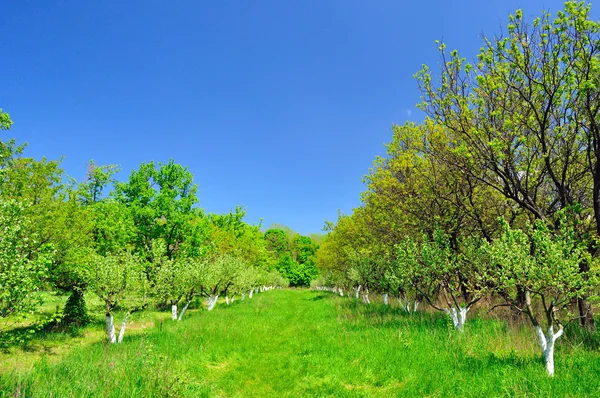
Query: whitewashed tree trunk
<point>212,301</point>
<point>185,307</point>
<point>341,292</point>
<point>459,316</point>
<point>365,296</point>
<point>232,298</point>
<point>256,290</point>
<point>547,343</point>
<point>243,296</point>
<point>110,329</point>
<point>385,299</point>
<point>357,290</point>
<point>226,299</point>
<point>174,312</point>
<point>250,293</point>
<point>123,326</point>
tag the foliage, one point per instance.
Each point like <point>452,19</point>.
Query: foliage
<point>23,261</point>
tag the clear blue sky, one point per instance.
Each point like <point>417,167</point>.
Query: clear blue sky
<point>280,106</point>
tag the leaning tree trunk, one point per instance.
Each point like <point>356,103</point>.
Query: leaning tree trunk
<point>185,307</point>
<point>123,326</point>
<point>212,301</point>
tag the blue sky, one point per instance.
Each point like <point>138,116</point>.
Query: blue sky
<point>279,106</point>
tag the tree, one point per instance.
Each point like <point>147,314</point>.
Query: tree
<point>120,282</point>
<point>58,219</point>
<point>545,264</point>
<point>436,271</point>
<point>177,281</point>
<point>23,262</point>
<point>220,276</point>
<point>161,201</point>
<point>522,119</point>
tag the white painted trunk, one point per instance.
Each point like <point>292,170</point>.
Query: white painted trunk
<point>256,290</point>
<point>459,317</point>
<point>385,299</point>
<point>212,301</point>
<point>185,307</point>
<point>232,298</point>
<point>243,296</point>
<point>122,330</point>
<point>357,290</point>
<point>341,292</point>
<point>547,342</point>
<point>227,300</point>
<point>250,293</point>
<point>365,297</point>
<point>174,312</point>
<point>110,329</point>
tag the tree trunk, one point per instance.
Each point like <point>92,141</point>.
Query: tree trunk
<point>174,312</point>
<point>385,299</point>
<point>110,329</point>
<point>185,307</point>
<point>459,317</point>
<point>212,301</point>
<point>122,330</point>
<point>586,315</point>
<point>547,343</point>
<point>250,293</point>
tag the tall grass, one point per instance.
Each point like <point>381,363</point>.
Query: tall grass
<point>306,343</point>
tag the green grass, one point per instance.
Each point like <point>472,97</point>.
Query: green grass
<point>305,343</point>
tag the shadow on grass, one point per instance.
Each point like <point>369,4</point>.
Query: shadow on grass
<point>470,363</point>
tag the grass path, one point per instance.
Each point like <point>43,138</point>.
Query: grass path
<point>305,343</point>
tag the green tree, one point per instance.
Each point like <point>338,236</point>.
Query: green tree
<point>522,119</point>
<point>161,201</point>
<point>23,262</point>
<point>120,282</point>
<point>545,264</point>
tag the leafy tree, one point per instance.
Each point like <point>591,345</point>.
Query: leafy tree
<point>221,275</point>
<point>522,119</point>
<point>56,218</point>
<point>545,264</point>
<point>120,282</point>
<point>177,281</point>
<point>23,262</point>
<point>161,201</point>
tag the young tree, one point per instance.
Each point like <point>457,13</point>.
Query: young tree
<point>436,271</point>
<point>546,265</point>
<point>120,282</point>
<point>177,281</point>
<point>220,276</point>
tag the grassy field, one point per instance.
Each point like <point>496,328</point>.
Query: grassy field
<point>306,343</point>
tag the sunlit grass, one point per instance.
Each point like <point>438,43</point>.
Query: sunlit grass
<point>306,343</point>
